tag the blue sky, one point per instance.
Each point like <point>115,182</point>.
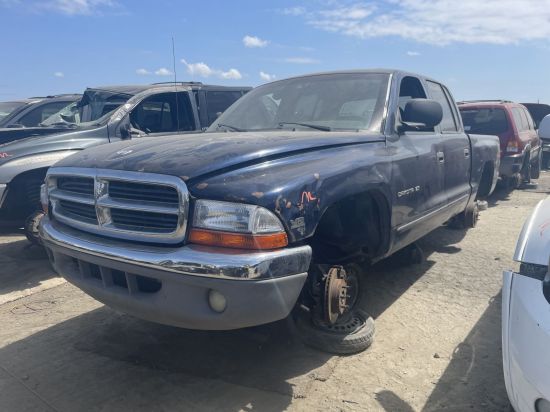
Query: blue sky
<point>480,49</point>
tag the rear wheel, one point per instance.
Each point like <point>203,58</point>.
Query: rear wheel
<point>536,166</point>
<point>467,219</point>
<point>526,170</point>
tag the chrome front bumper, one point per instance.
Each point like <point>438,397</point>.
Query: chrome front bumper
<point>260,287</point>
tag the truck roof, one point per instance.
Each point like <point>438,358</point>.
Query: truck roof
<point>138,88</point>
<point>488,103</point>
<point>394,72</point>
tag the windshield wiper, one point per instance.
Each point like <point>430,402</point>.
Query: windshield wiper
<point>312,126</point>
<point>228,126</point>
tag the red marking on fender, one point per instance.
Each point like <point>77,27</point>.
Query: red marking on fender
<point>3,155</point>
<point>308,196</point>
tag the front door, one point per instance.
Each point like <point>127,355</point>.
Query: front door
<point>417,175</point>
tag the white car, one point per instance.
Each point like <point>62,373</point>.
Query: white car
<point>526,317</point>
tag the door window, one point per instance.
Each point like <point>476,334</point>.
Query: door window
<point>520,119</point>
<point>161,113</point>
<point>530,123</point>
<point>448,123</point>
<point>218,101</point>
<point>41,113</point>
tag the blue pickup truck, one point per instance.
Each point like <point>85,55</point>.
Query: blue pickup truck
<point>273,212</point>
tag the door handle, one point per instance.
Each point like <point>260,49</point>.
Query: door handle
<point>466,153</point>
<point>441,157</point>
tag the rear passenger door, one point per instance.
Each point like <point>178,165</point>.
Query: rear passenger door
<point>456,148</point>
<point>532,133</point>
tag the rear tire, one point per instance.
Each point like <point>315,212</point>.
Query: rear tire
<point>526,171</point>
<point>467,219</point>
<point>536,166</point>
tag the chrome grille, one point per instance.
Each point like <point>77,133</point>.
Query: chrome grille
<point>78,210</point>
<point>127,205</point>
<point>139,191</point>
<point>81,185</point>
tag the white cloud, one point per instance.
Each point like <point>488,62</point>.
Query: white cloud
<point>163,71</point>
<point>413,53</point>
<point>266,76</point>
<point>233,74</point>
<point>294,11</point>
<point>76,7</point>
<point>143,72</point>
<point>254,41</point>
<point>301,60</point>
<point>201,69</point>
<point>439,22</point>
<point>356,12</point>
<point>59,74</point>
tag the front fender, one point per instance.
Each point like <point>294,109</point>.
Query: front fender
<point>22,164</point>
<point>300,188</point>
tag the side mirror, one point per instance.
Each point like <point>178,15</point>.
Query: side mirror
<point>544,128</point>
<point>421,114</point>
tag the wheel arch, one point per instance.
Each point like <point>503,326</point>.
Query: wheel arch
<point>356,226</point>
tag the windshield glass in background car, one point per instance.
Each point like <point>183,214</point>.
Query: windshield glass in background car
<point>484,121</point>
<point>346,101</point>
<point>6,108</point>
<point>69,114</point>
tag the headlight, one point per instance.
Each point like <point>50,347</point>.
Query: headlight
<point>236,225</point>
<point>46,157</point>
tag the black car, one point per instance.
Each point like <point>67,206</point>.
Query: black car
<point>33,111</point>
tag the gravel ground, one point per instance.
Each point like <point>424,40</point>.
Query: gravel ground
<point>437,345</point>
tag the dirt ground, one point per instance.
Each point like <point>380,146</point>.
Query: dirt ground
<point>437,345</point>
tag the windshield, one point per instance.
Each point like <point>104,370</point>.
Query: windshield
<point>69,114</point>
<point>6,108</point>
<point>94,108</point>
<point>347,101</point>
<point>96,104</point>
<point>484,121</point>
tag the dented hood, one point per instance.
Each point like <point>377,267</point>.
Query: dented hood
<point>197,155</point>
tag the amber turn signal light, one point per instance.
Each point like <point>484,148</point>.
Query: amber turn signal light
<point>238,240</point>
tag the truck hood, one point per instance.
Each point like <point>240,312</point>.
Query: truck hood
<point>205,154</point>
<point>73,140</point>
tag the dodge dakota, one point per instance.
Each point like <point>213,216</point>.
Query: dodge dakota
<point>274,211</point>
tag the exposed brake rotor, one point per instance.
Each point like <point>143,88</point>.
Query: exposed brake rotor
<point>336,298</point>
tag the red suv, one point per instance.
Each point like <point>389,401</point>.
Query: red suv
<point>519,142</point>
